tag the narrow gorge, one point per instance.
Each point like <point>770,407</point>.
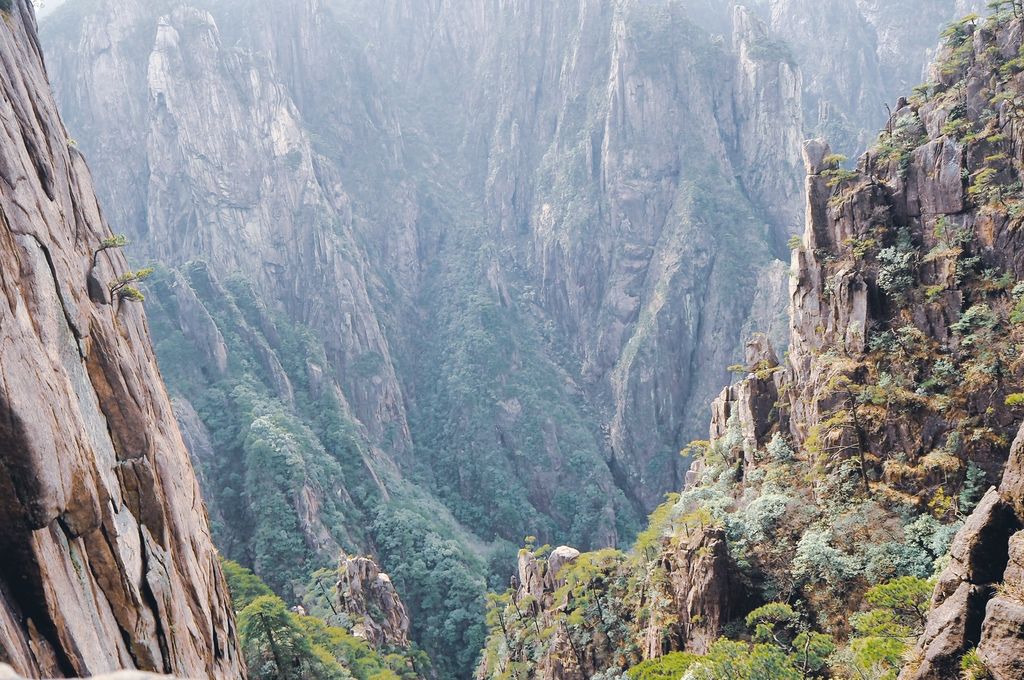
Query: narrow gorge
<point>431,279</point>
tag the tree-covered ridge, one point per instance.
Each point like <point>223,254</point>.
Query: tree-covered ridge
<point>838,476</point>
<point>295,479</point>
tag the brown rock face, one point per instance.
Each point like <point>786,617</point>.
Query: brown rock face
<point>108,561</point>
<point>369,597</point>
<point>979,600</point>
<point>702,592</point>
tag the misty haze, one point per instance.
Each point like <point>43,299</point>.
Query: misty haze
<point>512,339</point>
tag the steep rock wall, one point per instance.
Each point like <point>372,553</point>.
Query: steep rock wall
<point>847,468</point>
<point>108,561</point>
<point>326,118</point>
<point>521,235</point>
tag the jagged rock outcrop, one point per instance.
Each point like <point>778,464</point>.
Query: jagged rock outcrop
<point>540,578</point>
<point>979,598</point>
<point>367,595</point>
<point>701,594</point>
<point>108,561</point>
<point>753,401</point>
<point>922,182</point>
<point>894,272</point>
<point>676,596</point>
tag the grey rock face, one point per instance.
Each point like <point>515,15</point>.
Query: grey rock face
<point>977,601</point>
<point>858,57</point>
<point>108,561</point>
<point>958,606</point>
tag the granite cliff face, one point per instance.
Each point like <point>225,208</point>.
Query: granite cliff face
<point>108,560</point>
<point>858,57</point>
<point>588,145</point>
<point>592,171</point>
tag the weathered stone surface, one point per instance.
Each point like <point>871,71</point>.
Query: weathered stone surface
<point>952,628</point>
<point>559,558</point>
<point>1014,574</point>
<point>531,574</point>
<point>108,562</point>
<point>1002,638</point>
<point>1012,485</point>
<point>8,673</point>
<point>977,599</point>
<point>702,592</point>
<point>370,598</point>
<point>752,401</point>
<point>979,551</point>
<point>199,327</point>
<point>540,578</point>
<point>935,184</point>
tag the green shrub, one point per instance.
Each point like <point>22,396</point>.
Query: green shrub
<point>281,645</point>
<point>973,668</point>
<point>817,560</point>
<point>896,265</point>
<point>883,634</point>
<point>244,585</point>
<point>669,667</point>
<point>975,481</point>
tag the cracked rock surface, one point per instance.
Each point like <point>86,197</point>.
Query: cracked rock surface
<point>107,558</point>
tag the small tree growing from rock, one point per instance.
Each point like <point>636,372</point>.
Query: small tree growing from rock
<point>123,287</point>
<point>109,243</point>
